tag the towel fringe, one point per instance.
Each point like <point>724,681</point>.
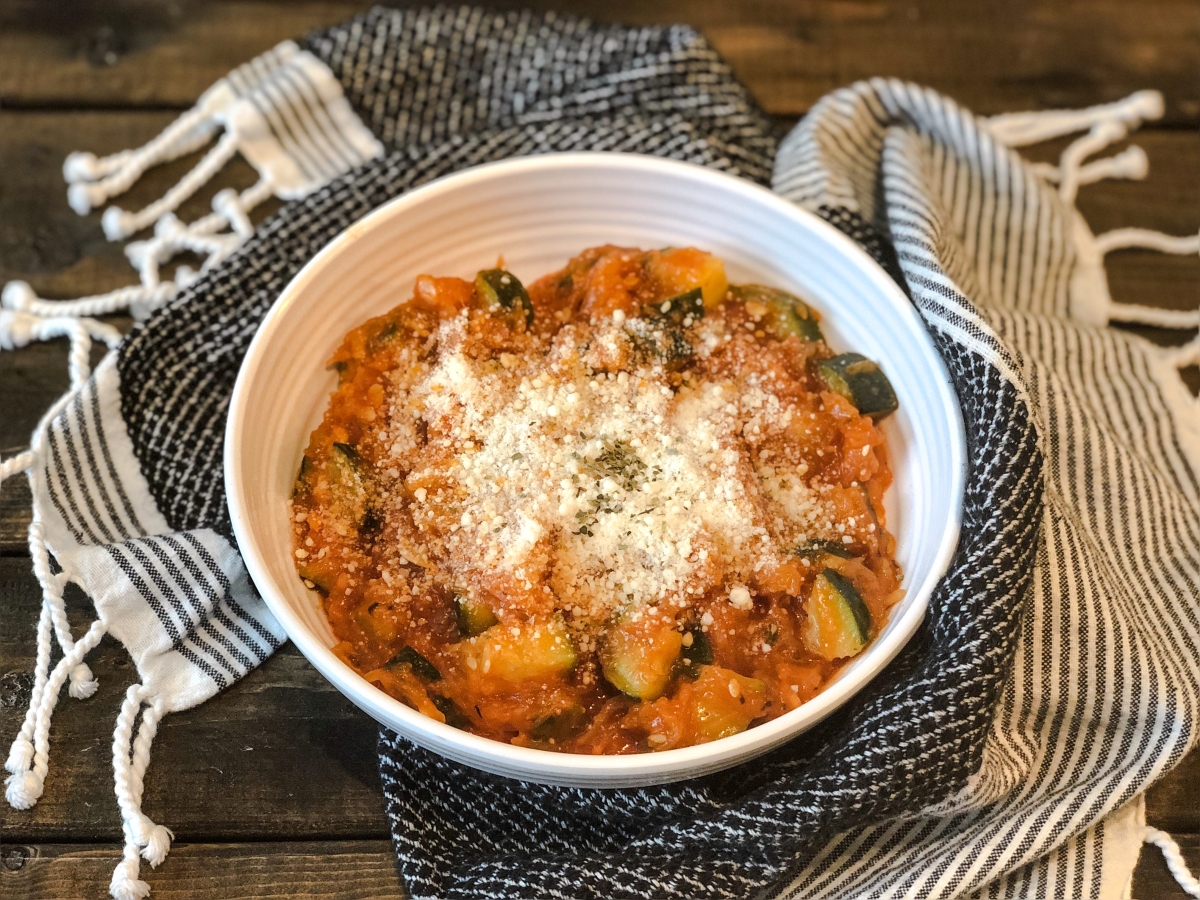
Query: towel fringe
<point>28,770</point>
<point>1091,300</point>
<point>327,135</point>
<point>131,758</point>
<point>1024,128</point>
<point>28,758</point>
<point>1174,858</point>
<point>240,108</point>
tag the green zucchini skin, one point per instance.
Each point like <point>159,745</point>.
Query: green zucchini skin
<point>501,289</point>
<point>663,342</point>
<point>347,485</point>
<point>454,716</point>
<point>421,667</point>
<point>473,618</point>
<point>383,337</point>
<point>321,582</point>
<point>303,477</point>
<point>815,548</point>
<point>788,314</point>
<point>692,657</point>
<point>677,309</point>
<point>560,726</point>
<point>839,623</point>
<point>850,595</point>
<point>860,381</point>
<point>700,651</point>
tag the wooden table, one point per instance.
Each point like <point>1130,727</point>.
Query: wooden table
<point>272,787</point>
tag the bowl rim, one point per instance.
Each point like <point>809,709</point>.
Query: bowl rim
<point>566,768</point>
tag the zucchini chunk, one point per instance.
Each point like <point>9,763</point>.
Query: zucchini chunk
<point>323,580</point>
<point>786,314</point>
<point>839,623</point>
<point>500,289</point>
<point>537,651</point>
<point>677,309</point>
<point>815,548</point>
<point>662,341</point>
<point>421,667</point>
<point>346,484</point>
<point>638,658</point>
<point>446,706</point>
<point>377,621</point>
<point>303,483</point>
<point>680,269</point>
<point>860,381</point>
<point>725,702</point>
<point>560,726</point>
<point>473,617</point>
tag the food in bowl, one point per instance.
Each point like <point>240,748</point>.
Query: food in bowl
<point>628,508</point>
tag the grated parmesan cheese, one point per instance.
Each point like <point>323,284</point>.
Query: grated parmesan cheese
<point>550,481</point>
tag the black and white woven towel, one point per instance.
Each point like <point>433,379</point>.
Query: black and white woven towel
<point>1004,752</point>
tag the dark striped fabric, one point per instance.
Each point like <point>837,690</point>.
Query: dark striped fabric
<point>293,102</point>
<point>180,601</point>
<point>82,482</point>
<point>1000,755</point>
<point>194,601</point>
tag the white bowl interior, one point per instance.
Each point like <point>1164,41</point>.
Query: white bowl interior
<point>536,213</point>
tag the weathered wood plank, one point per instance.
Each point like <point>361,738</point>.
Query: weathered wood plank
<point>281,753</point>
<point>1152,880</point>
<point>15,515</point>
<point>347,870</point>
<point>356,870</point>
<point>1174,802</point>
<point>992,57</point>
<point>42,240</point>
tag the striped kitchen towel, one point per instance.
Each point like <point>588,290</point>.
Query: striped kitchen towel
<point>1004,753</point>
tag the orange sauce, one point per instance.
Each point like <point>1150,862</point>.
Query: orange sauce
<point>498,626</point>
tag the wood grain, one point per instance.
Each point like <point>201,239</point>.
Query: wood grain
<point>347,870</point>
<point>280,753</point>
<point>994,57</point>
<point>1152,880</point>
<point>281,763</point>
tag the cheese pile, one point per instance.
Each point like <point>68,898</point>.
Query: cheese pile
<point>589,483</point>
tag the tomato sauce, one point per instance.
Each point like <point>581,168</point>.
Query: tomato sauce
<point>625,508</point>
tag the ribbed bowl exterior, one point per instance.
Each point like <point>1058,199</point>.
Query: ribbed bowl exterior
<point>536,213</point>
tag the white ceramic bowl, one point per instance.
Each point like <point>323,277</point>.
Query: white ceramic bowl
<point>538,212</point>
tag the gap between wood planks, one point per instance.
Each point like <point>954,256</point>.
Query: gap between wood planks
<point>1022,54</point>
<point>362,870</point>
<point>344,869</point>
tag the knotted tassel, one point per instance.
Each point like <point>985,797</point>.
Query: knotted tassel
<point>24,785</point>
<point>1174,859</point>
<point>130,761</point>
